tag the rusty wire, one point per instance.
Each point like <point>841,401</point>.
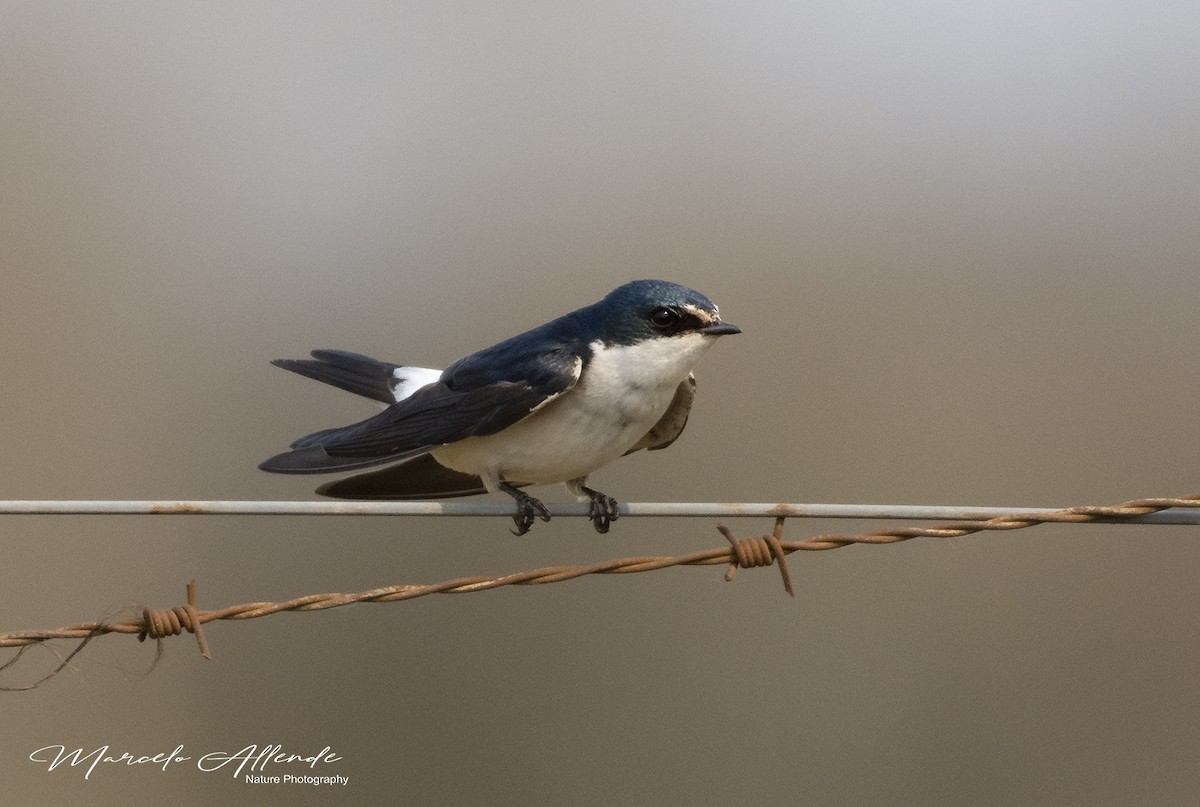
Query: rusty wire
<point>751,552</point>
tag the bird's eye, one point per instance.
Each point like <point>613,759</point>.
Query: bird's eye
<point>664,317</point>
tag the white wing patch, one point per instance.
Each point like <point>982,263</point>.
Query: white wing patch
<point>410,379</point>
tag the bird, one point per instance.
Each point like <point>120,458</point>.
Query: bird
<point>550,405</point>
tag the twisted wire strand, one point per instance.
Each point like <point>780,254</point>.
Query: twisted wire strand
<point>751,552</point>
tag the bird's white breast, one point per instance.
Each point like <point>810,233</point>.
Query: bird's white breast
<point>621,394</point>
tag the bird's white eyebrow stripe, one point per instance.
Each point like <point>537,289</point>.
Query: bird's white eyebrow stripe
<point>702,314</point>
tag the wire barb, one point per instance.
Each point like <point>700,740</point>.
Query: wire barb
<point>174,621</point>
<point>760,550</point>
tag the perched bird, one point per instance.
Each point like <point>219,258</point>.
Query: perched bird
<point>550,405</point>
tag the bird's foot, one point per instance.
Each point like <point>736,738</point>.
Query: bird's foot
<point>603,509</point>
<point>528,508</point>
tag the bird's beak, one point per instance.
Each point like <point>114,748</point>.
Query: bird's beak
<point>719,328</point>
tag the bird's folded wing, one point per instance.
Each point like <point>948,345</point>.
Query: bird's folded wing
<point>469,400</point>
<point>671,424</point>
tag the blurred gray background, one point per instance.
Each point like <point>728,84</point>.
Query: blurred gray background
<point>961,239</point>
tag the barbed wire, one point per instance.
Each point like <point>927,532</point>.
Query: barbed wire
<point>757,551</point>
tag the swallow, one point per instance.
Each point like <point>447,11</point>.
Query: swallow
<point>550,405</point>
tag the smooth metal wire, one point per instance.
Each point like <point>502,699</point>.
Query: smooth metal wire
<point>631,509</point>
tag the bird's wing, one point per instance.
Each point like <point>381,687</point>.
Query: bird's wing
<point>671,424</point>
<point>381,380</point>
<point>476,396</point>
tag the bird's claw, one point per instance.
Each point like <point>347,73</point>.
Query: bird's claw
<point>603,509</point>
<point>528,509</point>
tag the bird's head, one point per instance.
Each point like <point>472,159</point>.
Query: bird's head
<point>658,309</point>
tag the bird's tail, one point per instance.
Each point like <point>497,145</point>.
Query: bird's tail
<point>310,457</point>
<point>371,378</point>
<point>419,478</point>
